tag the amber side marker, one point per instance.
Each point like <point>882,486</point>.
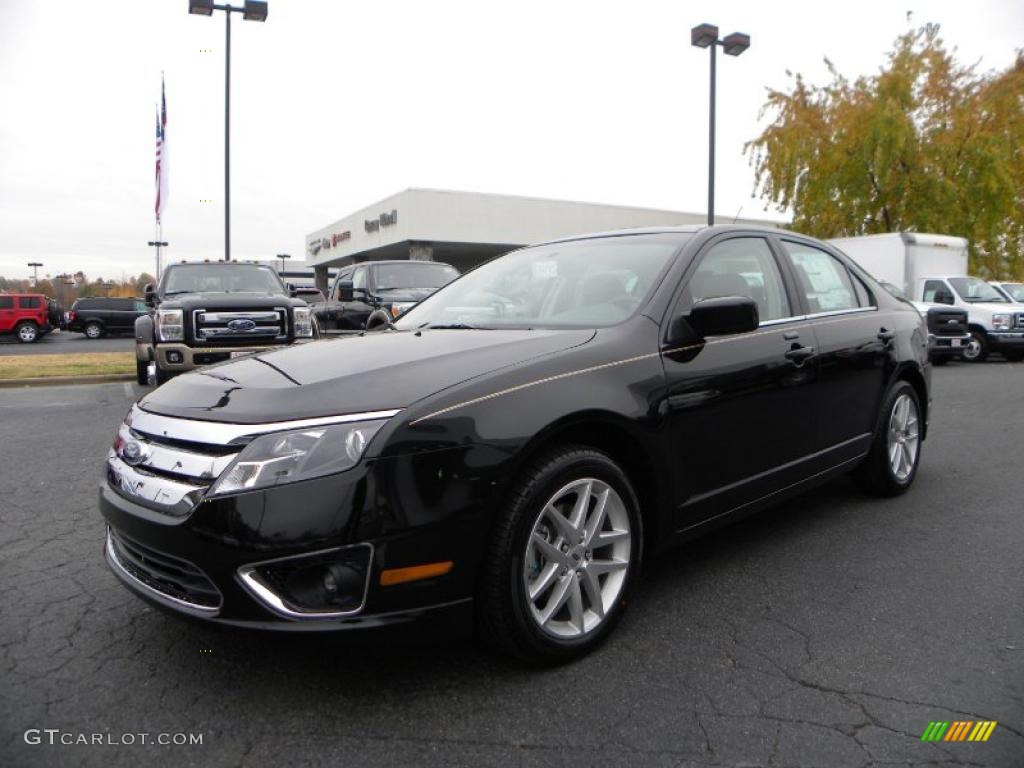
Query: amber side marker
<point>394,576</point>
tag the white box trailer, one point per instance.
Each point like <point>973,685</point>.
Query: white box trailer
<point>906,258</point>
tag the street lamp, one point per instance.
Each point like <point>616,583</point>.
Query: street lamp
<point>282,257</point>
<point>35,270</point>
<point>158,244</point>
<point>251,11</point>
<point>706,36</point>
<point>108,285</point>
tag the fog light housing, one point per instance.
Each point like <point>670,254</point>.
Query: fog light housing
<point>321,585</point>
<point>175,357</point>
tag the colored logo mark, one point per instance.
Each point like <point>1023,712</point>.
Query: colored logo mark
<point>959,730</point>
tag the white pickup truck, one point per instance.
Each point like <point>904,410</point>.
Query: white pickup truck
<point>931,270</point>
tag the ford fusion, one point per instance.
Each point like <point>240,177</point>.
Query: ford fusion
<point>517,444</point>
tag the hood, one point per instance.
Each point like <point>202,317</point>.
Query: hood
<point>405,294</point>
<point>378,371</point>
<point>222,300</point>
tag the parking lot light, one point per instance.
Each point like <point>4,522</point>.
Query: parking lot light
<point>201,7</point>
<point>706,36</point>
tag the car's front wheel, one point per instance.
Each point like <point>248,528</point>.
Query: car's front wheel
<point>141,372</point>
<point>977,348</point>
<point>563,557</point>
<point>895,454</point>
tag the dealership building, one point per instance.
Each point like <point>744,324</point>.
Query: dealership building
<point>465,228</point>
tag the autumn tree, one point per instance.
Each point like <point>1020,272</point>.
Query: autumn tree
<point>924,145</point>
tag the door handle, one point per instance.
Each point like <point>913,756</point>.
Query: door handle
<point>886,335</point>
<point>799,354</point>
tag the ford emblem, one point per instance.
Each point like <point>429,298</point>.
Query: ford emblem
<point>242,324</point>
<point>132,452</point>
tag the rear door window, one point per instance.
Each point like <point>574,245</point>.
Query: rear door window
<point>28,302</point>
<point>823,279</point>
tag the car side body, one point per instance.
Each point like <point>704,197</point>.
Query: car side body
<point>100,316</point>
<point>29,316</point>
<point>705,428</point>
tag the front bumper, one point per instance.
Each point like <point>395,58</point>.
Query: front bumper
<point>947,346</point>
<point>1006,339</point>
<point>200,564</point>
<point>177,356</point>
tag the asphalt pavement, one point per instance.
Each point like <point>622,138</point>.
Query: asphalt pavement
<point>827,632</point>
<point>62,342</point>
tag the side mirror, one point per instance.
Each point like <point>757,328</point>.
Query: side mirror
<point>291,290</point>
<point>344,291</point>
<point>150,291</point>
<point>716,317</point>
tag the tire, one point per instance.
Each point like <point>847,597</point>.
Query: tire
<point>162,376</point>
<point>883,472</point>
<point>93,331</point>
<point>27,333</point>
<point>582,609</point>
<point>977,350</point>
<point>142,372</point>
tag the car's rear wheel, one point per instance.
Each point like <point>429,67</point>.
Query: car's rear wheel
<point>563,558</point>
<point>93,330</point>
<point>977,348</point>
<point>895,454</point>
<point>28,333</point>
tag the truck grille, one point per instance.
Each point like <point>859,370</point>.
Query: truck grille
<point>170,577</point>
<point>1019,321</point>
<point>240,327</point>
<point>947,322</point>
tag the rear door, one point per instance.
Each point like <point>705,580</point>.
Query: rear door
<point>738,419</point>
<point>856,344</point>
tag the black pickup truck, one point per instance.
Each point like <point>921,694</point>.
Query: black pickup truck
<point>206,312</point>
<point>378,291</point>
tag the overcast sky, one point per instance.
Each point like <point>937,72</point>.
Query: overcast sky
<point>338,104</point>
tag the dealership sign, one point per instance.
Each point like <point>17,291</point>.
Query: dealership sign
<point>324,243</point>
<point>384,220</point>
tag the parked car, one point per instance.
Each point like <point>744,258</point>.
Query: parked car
<point>1011,291</point>
<point>379,289</point>
<point>309,294</point>
<point>207,312</point>
<point>947,328</point>
<point>98,317</point>
<point>26,315</point>
<point>520,441</point>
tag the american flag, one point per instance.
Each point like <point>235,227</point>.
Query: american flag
<point>162,189</point>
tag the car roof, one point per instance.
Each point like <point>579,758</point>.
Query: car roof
<point>689,229</point>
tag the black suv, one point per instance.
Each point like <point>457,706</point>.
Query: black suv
<point>381,290</point>
<point>207,312</point>
<point>98,317</point>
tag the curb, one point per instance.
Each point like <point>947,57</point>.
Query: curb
<point>59,381</point>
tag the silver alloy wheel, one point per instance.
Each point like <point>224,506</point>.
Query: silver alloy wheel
<point>27,333</point>
<point>93,331</point>
<point>972,350</point>
<point>577,558</point>
<point>903,437</point>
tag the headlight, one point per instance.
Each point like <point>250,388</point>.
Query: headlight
<point>1001,322</point>
<point>400,307</point>
<point>303,323</point>
<point>170,325</point>
<point>287,457</point>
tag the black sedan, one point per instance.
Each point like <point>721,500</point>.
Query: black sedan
<point>517,444</point>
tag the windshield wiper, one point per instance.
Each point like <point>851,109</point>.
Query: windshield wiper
<point>453,327</point>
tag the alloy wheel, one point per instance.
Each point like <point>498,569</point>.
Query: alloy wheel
<point>577,558</point>
<point>92,331</point>
<point>971,351</point>
<point>903,437</point>
<point>27,333</point>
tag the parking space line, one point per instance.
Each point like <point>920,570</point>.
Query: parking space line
<point>129,391</point>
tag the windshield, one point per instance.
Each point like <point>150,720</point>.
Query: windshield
<point>1016,291</point>
<point>580,284</point>
<point>894,291</point>
<point>219,278</point>
<point>414,275</point>
<point>973,290</point>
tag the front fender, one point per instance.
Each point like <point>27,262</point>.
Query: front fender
<point>144,338</point>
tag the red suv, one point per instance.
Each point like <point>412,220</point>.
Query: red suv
<point>27,315</point>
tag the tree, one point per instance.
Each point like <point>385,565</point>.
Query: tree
<point>924,145</point>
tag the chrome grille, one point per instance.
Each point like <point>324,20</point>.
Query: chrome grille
<point>239,327</point>
<point>171,578</point>
<point>1019,324</point>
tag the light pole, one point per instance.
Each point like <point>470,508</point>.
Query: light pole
<point>35,271</point>
<point>251,11</point>
<point>282,257</point>
<point>706,36</point>
<point>158,244</point>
